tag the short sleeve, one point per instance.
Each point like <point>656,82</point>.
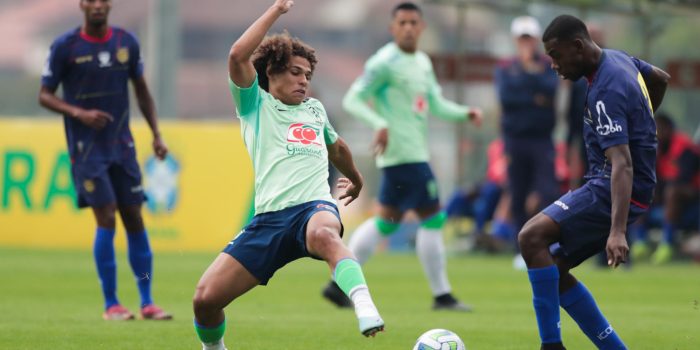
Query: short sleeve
<point>135,59</point>
<point>643,67</point>
<point>247,99</point>
<point>55,67</point>
<point>329,133</point>
<point>611,118</point>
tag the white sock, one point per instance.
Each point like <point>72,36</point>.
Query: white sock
<point>364,306</point>
<point>431,252</point>
<point>214,346</point>
<point>364,240</point>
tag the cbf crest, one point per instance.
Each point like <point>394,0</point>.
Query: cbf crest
<point>123,55</point>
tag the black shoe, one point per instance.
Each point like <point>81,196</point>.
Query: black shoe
<point>553,346</point>
<point>448,302</point>
<point>336,295</point>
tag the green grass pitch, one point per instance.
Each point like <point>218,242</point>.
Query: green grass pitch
<point>50,300</point>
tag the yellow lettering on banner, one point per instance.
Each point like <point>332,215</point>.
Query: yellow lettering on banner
<point>202,210</point>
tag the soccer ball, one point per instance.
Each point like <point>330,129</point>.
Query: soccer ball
<point>439,339</point>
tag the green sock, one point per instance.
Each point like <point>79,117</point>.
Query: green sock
<point>210,335</point>
<point>348,275</point>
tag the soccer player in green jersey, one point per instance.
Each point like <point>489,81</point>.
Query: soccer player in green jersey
<point>290,142</point>
<point>401,85</point>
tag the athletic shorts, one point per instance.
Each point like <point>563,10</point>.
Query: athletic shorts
<point>274,239</point>
<point>584,219</point>
<point>408,186</point>
<point>98,184</point>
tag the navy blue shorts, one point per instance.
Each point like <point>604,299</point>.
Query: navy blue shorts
<point>584,219</point>
<point>408,186</point>
<point>274,239</point>
<point>101,183</point>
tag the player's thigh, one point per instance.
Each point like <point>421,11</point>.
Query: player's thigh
<point>93,185</point>
<point>224,280</point>
<point>323,234</point>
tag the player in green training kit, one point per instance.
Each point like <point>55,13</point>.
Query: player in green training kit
<point>400,82</point>
<point>290,142</point>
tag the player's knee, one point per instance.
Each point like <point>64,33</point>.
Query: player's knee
<point>106,218</point>
<point>204,300</point>
<point>323,238</point>
<point>386,227</point>
<point>531,237</point>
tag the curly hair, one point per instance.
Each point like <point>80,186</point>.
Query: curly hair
<point>275,52</point>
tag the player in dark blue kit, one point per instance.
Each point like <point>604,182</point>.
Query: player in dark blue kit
<point>93,64</point>
<point>620,137</point>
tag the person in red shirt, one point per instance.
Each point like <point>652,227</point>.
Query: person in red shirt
<point>677,193</point>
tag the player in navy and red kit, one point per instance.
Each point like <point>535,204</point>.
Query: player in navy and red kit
<point>93,64</point>
<point>620,137</point>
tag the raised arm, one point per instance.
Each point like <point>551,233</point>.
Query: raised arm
<point>621,193</point>
<point>240,67</point>
<point>340,156</point>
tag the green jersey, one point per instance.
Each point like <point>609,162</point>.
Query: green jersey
<point>287,145</point>
<point>402,89</point>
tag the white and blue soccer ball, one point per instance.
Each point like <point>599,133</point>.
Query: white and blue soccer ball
<point>439,339</point>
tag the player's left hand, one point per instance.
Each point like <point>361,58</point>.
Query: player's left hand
<point>475,116</point>
<point>159,148</point>
<point>616,249</point>
<point>350,190</point>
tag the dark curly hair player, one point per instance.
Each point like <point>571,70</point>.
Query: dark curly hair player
<point>290,141</point>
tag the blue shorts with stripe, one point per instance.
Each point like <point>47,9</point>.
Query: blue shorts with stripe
<point>274,239</point>
<point>584,218</point>
<point>98,184</point>
<point>408,186</point>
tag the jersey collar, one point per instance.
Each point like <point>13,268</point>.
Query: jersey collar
<point>95,39</point>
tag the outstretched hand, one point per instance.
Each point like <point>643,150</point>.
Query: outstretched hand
<point>616,249</point>
<point>350,190</point>
<point>283,5</point>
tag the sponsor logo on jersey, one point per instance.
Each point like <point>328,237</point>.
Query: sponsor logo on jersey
<point>105,59</point>
<point>304,134</point>
<point>83,59</point>
<point>607,126</point>
<point>123,55</point>
<point>420,104</point>
<point>562,205</point>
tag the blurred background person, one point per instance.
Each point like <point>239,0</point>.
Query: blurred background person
<point>94,64</point>
<point>677,197</point>
<point>395,95</point>
<point>526,87</point>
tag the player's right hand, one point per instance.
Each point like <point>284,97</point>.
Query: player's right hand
<point>94,118</point>
<point>283,5</point>
<point>381,139</point>
<point>617,249</point>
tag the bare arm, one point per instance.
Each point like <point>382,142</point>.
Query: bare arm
<point>621,193</point>
<point>148,109</point>
<point>93,118</point>
<point>340,156</point>
<point>240,67</point>
<point>656,82</point>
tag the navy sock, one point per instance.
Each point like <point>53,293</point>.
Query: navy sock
<point>581,306</point>
<point>668,232</point>
<point>141,260</point>
<point>103,252</point>
<point>545,298</point>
